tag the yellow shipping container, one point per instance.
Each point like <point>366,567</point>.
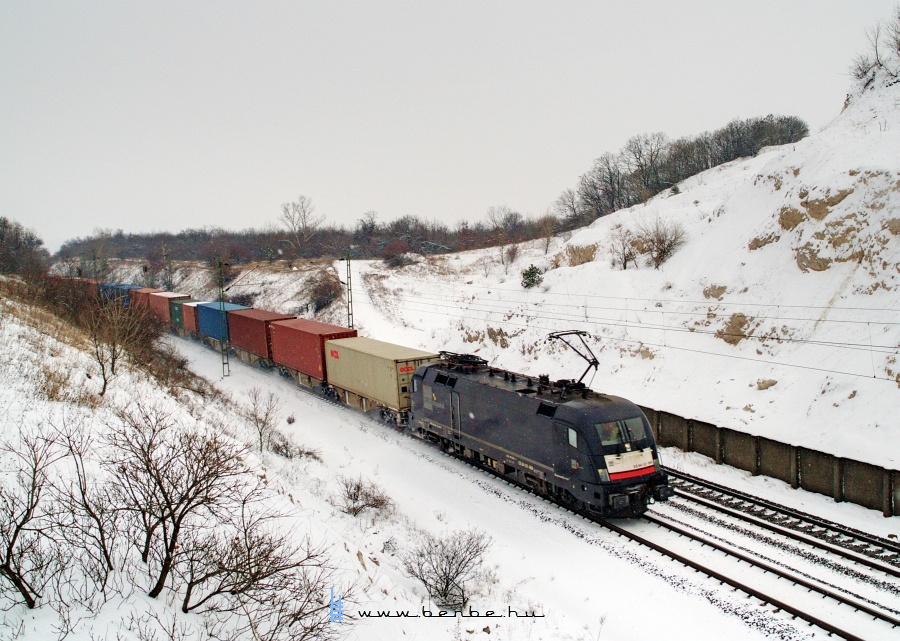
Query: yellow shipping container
<point>374,370</point>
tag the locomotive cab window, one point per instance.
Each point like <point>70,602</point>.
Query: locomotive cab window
<point>415,384</point>
<point>622,431</point>
<point>573,438</point>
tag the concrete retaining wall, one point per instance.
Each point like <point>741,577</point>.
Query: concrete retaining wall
<point>842,479</point>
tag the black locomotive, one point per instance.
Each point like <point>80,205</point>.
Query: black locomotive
<point>581,448</point>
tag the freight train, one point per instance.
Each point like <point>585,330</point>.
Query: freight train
<point>590,451</point>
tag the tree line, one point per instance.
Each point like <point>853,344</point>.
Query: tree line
<point>647,165</point>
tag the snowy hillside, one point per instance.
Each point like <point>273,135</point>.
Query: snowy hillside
<point>581,582</point>
<point>778,316</point>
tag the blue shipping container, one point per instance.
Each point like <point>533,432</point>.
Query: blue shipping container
<point>118,291</point>
<point>212,319</point>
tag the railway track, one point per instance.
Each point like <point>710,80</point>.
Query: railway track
<point>736,577</point>
<point>870,622</point>
<point>858,546</point>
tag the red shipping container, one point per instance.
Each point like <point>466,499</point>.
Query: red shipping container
<point>300,344</point>
<point>141,297</point>
<point>189,317</point>
<point>159,304</point>
<point>249,330</point>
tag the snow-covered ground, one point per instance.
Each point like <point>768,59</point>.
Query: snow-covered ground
<point>778,316</point>
<point>585,582</point>
<point>795,252</point>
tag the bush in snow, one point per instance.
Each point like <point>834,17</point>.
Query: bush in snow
<point>262,413</point>
<point>357,495</point>
<point>659,240</point>
<point>447,565</point>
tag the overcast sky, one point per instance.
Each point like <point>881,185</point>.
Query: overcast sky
<point>167,115</point>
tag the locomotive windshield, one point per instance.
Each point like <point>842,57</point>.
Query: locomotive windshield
<point>625,430</point>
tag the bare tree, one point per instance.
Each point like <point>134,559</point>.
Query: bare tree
<point>659,239</point>
<point>168,478</point>
<point>30,557</point>
<point>113,330</point>
<point>644,156</point>
<point>546,227</point>
<point>301,220</point>
<point>447,565</point>
<point>621,247</point>
<point>508,255</point>
<point>86,516</point>
<point>262,413</point>
<point>568,208</point>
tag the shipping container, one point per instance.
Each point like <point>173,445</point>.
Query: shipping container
<point>250,330</point>
<point>141,297</point>
<point>374,371</point>
<point>299,345</point>
<point>117,291</point>
<point>159,304</point>
<point>175,311</point>
<point>212,319</point>
<point>189,316</point>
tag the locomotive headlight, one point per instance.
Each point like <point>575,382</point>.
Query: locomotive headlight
<point>604,476</point>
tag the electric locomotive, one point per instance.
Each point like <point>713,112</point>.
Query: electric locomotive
<point>584,449</point>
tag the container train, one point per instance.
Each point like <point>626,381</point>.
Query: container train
<point>590,451</point>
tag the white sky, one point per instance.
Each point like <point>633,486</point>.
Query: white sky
<point>168,115</point>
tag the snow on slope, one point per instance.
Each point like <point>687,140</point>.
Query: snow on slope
<point>778,317</point>
<point>583,581</point>
<point>797,248</point>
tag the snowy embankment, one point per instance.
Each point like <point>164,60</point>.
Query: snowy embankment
<point>777,317</point>
<point>584,581</point>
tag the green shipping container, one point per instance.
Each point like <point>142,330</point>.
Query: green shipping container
<point>374,369</point>
<point>176,312</point>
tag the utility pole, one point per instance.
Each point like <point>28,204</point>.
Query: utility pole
<point>226,365</point>
<point>349,294</point>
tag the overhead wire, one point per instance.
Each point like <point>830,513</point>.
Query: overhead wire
<point>432,306</point>
<point>492,307</point>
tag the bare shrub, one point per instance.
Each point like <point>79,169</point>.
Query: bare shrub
<point>659,240</point>
<point>580,254</point>
<point>262,413</point>
<point>107,328</point>
<point>446,565</point>
<point>86,516</point>
<point>281,445</point>
<point>621,247</point>
<point>168,478</point>
<point>246,559</point>
<point>30,557</point>
<point>486,265</point>
<point>357,495</point>
<point>546,226</point>
<point>508,255</point>
<point>325,288</point>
